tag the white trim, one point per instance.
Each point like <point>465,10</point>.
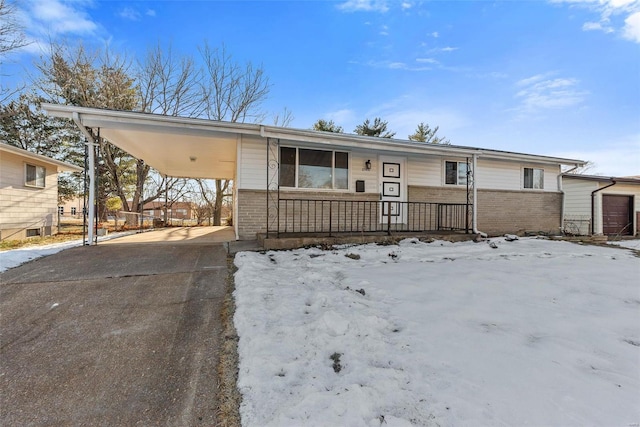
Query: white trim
<point>61,166</point>
<point>95,117</point>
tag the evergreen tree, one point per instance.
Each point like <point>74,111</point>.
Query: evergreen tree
<point>379,128</point>
<point>425,134</point>
<point>327,126</point>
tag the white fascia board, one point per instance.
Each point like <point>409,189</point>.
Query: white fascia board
<point>95,117</point>
<point>61,166</point>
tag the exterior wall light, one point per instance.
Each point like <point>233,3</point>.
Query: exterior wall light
<point>367,165</point>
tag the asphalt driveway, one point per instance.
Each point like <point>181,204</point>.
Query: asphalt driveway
<point>118,334</point>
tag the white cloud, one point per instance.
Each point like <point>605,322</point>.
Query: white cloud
<point>435,34</point>
<point>406,5</point>
<point>427,60</point>
<point>364,6</point>
<point>607,10</point>
<point>443,49</point>
<point>54,17</point>
<point>596,26</point>
<point>150,12</point>
<point>620,157</point>
<point>344,115</point>
<point>130,14</point>
<point>631,28</point>
<point>542,92</point>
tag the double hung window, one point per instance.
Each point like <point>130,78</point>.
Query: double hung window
<point>307,168</point>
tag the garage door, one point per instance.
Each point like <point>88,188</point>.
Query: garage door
<point>616,215</point>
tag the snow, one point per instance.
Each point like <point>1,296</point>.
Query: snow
<point>629,244</point>
<point>533,332</point>
<point>15,257</point>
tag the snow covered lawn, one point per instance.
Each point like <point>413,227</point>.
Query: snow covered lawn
<point>533,332</point>
<point>15,257</point>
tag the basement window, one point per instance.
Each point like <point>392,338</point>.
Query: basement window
<point>534,178</point>
<point>34,176</point>
<point>33,232</point>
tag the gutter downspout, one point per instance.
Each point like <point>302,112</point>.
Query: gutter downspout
<point>593,208</point>
<point>562,206</point>
<point>92,177</point>
<point>475,200</point>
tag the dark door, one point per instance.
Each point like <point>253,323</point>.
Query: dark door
<point>617,215</point>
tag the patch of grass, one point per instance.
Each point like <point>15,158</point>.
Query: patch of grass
<point>6,245</point>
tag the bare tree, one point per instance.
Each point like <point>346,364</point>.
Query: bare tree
<point>11,38</point>
<point>234,93</point>
<point>284,119</point>
<point>11,31</point>
<point>170,85</point>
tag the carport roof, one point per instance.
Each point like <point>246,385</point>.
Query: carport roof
<point>201,148</point>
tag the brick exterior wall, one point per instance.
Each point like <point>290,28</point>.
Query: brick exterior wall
<point>502,211</point>
<point>499,212</point>
<point>252,212</point>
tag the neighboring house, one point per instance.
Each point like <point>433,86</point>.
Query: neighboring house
<point>292,181</point>
<point>28,193</point>
<point>177,210</point>
<point>601,205</point>
<point>71,208</point>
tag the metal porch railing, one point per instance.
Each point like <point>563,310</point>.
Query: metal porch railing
<point>315,216</point>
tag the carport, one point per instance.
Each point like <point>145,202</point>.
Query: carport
<point>174,146</point>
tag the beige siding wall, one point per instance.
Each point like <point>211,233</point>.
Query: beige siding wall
<point>501,211</point>
<point>425,171</point>
<point>23,207</point>
<point>504,175</point>
<point>578,202</point>
<point>252,167</point>
<point>577,205</point>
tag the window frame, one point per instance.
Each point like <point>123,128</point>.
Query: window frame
<point>457,163</point>
<point>533,180</point>
<point>296,169</point>
<point>35,181</point>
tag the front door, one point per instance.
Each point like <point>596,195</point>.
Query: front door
<point>393,190</point>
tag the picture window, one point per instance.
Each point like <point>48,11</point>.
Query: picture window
<point>307,168</point>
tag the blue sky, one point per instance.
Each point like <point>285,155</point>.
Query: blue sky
<point>557,78</point>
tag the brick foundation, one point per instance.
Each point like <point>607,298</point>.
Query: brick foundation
<point>502,211</point>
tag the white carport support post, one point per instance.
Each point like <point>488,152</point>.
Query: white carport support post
<point>92,177</point>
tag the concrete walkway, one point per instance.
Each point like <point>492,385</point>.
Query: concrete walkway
<point>118,334</point>
<point>179,235</point>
